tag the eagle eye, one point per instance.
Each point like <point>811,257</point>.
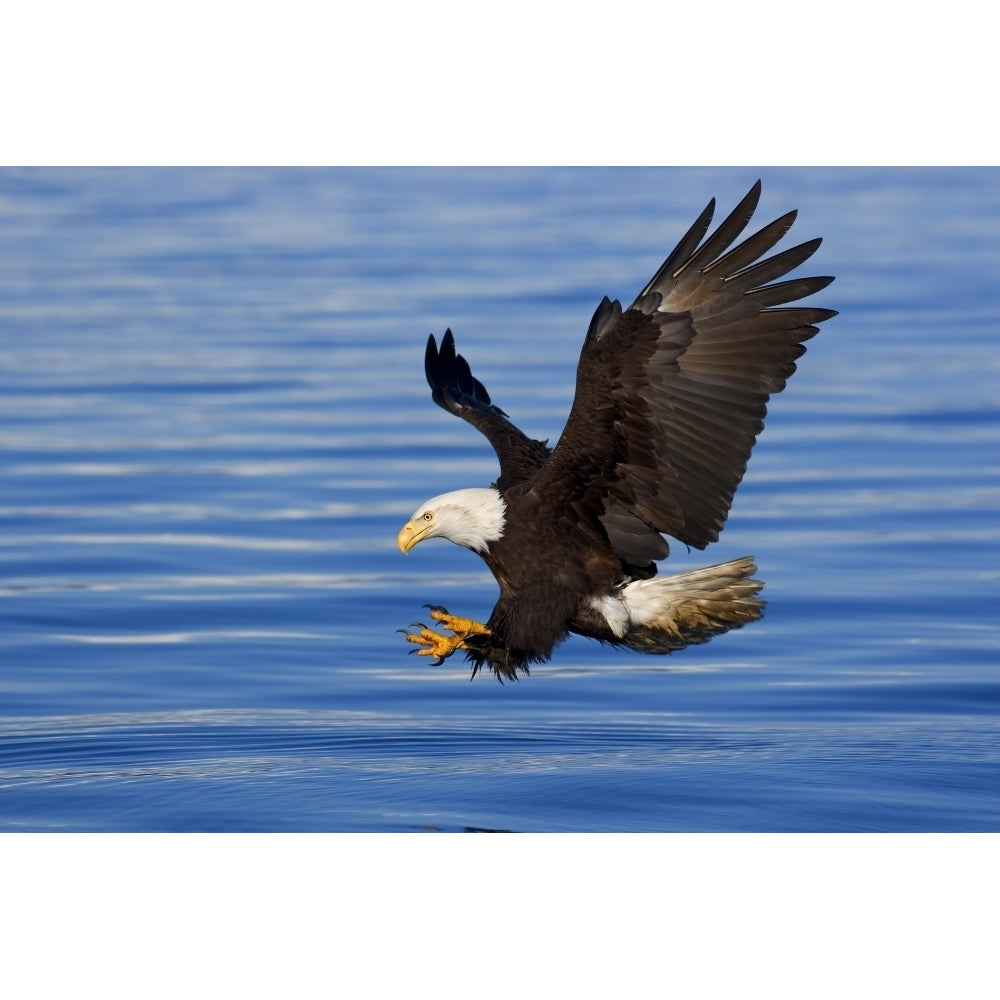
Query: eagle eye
<point>428,516</point>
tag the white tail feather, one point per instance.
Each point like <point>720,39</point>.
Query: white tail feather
<point>668,612</point>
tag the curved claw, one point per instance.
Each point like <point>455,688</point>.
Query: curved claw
<point>436,644</point>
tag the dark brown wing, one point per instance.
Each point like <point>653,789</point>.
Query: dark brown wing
<point>455,389</point>
<point>672,393</point>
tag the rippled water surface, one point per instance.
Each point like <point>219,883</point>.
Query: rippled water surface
<point>213,421</point>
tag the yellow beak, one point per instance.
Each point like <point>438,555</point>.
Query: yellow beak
<point>410,534</point>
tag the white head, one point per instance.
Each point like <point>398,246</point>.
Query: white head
<point>473,518</point>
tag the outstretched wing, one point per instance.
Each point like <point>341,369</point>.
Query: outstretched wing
<point>455,389</point>
<point>671,393</point>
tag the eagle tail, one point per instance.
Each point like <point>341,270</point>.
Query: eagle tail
<point>667,613</point>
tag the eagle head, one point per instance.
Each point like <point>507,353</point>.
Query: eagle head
<point>473,518</point>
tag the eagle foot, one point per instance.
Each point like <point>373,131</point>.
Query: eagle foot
<point>442,646</point>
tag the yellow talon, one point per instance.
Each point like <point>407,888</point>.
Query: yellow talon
<point>462,627</point>
<point>434,644</point>
<point>442,646</point>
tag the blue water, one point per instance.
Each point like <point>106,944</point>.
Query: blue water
<point>213,421</point>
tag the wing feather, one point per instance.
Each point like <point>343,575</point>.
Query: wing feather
<point>455,389</point>
<point>682,251</point>
<point>724,236</point>
<point>774,267</point>
<point>755,247</point>
<point>672,393</point>
<point>787,291</point>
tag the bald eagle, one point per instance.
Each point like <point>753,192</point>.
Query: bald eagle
<point>670,397</point>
